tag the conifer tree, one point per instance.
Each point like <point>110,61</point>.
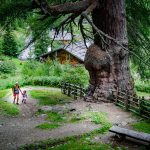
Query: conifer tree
<point>9,45</point>
<point>41,45</point>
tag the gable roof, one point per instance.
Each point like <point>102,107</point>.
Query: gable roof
<point>60,36</point>
<point>77,49</point>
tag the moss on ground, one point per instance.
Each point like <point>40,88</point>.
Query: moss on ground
<point>48,126</point>
<point>143,126</point>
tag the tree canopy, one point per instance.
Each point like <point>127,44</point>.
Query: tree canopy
<point>138,21</point>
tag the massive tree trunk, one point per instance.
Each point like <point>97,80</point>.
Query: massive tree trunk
<point>108,71</point>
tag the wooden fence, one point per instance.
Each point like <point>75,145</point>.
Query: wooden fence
<point>73,90</point>
<point>137,105</point>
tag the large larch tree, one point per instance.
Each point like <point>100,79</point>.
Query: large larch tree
<point>107,59</point>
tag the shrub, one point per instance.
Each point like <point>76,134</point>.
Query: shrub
<point>77,75</point>
<point>34,68</point>
<point>143,86</point>
<point>51,74</point>
<point>45,80</point>
<point>7,66</point>
<point>9,44</point>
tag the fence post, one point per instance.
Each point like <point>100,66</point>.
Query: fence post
<point>65,84</point>
<point>127,98</point>
<point>69,89</point>
<point>81,92</point>
<point>140,106</point>
<point>63,87</point>
<point>116,99</point>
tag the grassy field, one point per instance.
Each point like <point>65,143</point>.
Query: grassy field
<point>7,108</point>
<point>52,97</point>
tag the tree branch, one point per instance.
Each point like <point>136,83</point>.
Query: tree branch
<point>102,34</point>
<point>66,8</point>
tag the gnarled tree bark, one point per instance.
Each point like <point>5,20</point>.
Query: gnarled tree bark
<point>108,72</point>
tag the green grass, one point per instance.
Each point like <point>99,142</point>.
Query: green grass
<point>55,117</point>
<point>3,93</point>
<point>8,109</point>
<point>65,117</point>
<point>99,118</point>
<point>70,143</point>
<point>48,126</point>
<point>81,145</point>
<point>143,126</point>
<point>47,97</point>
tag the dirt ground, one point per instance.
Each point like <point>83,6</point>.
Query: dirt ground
<point>20,130</point>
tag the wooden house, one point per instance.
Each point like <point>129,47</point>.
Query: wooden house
<point>73,53</point>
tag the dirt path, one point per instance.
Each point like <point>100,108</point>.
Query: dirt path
<point>20,130</point>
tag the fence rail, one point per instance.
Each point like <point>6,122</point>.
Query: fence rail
<point>137,105</point>
<point>73,90</point>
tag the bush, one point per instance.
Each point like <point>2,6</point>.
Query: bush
<point>7,66</point>
<point>44,81</point>
<point>51,74</point>
<point>143,87</point>
<point>34,68</point>
<point>77,75</point>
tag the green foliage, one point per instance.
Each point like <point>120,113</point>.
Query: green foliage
<point>142,86</point>
<point>99,118</point>
<point>138,23</point>
<point>53,73</point>
<point>48,126</point>
<point>40,69</point>
<point>12,9</point>
<point>41,44</point>
<point>143,126</point>
<point>44,81</point>
<point>52,97</point>
<point>7,80</point>
<point>142,94</point>
<point>3,93</point>
<point>7,66</point>
<point>1,46</point>
<point>9,44</point>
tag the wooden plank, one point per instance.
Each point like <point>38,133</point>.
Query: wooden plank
<point>130,133</point>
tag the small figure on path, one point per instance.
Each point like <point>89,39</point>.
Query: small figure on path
<point>24,97</point>
<point>15,91</point>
